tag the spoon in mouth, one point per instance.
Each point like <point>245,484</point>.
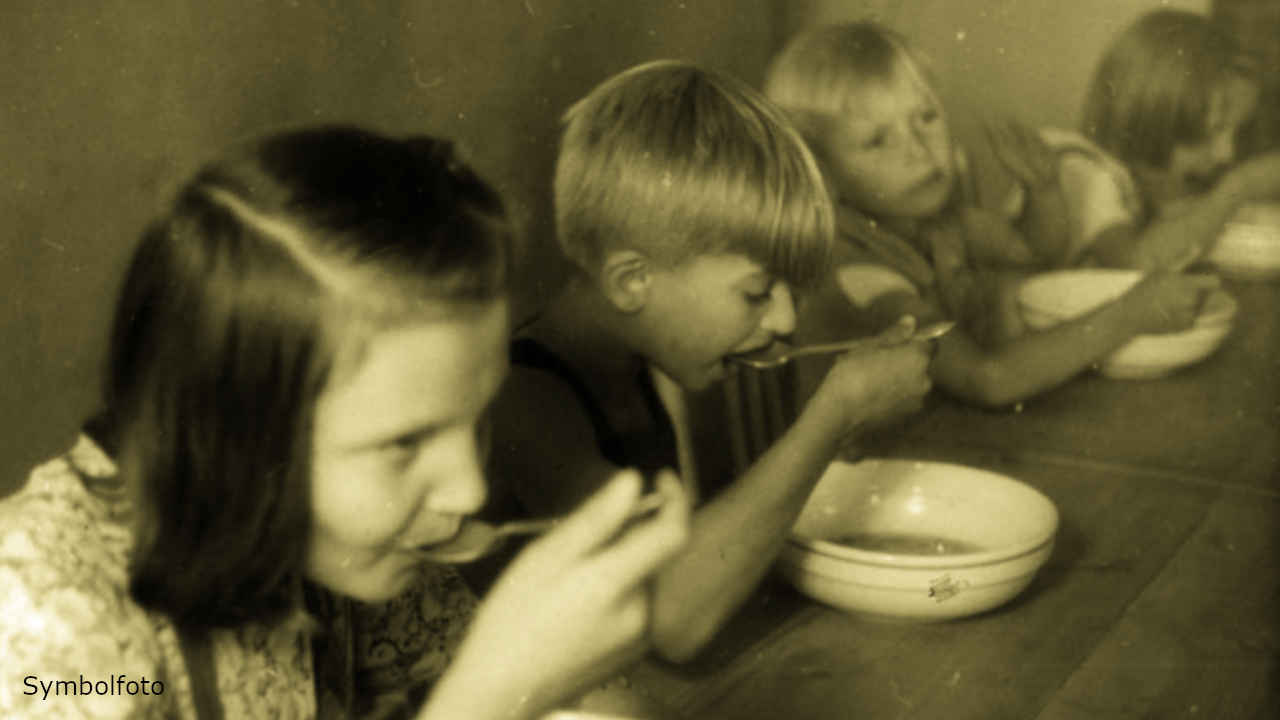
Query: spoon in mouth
<point>477,538</point>
<point>932,331</point>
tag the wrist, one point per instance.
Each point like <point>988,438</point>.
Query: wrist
<point>467,693</point>
<point>1134,311</point>
<point>833,417</point>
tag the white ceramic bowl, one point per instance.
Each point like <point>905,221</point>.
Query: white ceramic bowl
<point>1051,298</point>
<point>1249,246</point>
<point>918,541</point>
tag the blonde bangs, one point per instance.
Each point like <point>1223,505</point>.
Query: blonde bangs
<point>816,77</point>
<point>675,162</point>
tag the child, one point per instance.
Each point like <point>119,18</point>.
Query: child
<point>1158,175</point>
<point>690,209</point>
<point>877,128</point>
<point>303,350</point>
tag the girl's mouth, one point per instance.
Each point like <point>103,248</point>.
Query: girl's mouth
<point>436,539</point>
<point>928,181</point>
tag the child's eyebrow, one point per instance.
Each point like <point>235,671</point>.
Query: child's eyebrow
<point>760,277</point>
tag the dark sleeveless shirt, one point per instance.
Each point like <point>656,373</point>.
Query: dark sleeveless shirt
<point>649,453</point>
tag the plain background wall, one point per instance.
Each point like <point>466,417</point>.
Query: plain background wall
<point>107,105</point>
<point>1029,58</point>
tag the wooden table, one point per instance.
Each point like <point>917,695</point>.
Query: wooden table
<point>1161,600</point>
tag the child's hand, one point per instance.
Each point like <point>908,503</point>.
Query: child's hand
<point>874,387</point>
<point>1043,217</point>
<point>992,242</point>
<point>1169,302</point>
<point>570,610</point>
<point>1254,180</point>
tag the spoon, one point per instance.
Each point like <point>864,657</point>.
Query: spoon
<point>477,538</point>
<point>931,331</point>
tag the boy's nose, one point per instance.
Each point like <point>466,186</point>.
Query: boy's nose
<point>780,318</point>
<point>917,145</point>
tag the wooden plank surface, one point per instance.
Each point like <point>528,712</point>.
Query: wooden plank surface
<point>1162,598</point>
<point>1203,639</point>
<point>823,663</point>
<point>1219,420</point>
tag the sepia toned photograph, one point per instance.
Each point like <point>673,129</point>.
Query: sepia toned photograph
<point>640,359</point>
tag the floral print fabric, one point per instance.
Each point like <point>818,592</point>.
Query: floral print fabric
<point>76,645</point>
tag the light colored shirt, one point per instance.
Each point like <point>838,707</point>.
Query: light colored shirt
<point>1099,191</point>
<point>76,645</point>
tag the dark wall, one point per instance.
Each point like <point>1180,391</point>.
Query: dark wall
<point>107,105</point>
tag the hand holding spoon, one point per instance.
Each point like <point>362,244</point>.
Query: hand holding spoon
<point>931,331</point>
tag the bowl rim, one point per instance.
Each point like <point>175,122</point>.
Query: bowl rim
<point>1224,314</point>
<point>957,561</point>
<point>1048,277</point>
<point>874,558</point>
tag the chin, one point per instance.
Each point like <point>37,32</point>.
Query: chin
<point>386,589</point>
<point>373,585</point>
<point>708,379</point>
<point>932,201</point>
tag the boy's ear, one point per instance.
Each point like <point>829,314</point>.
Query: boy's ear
<point>627,280</point>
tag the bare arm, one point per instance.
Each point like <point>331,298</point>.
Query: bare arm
<point>1176,240</point>
<point>1039,361</point>
<point>736,536</point>
<point>1167,242</point>
<point>520,657</point>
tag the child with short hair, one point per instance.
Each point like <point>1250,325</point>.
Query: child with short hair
<point>1158,171</point>
<point>303,351</point>
<point>690,209</point>
<point>875,123</point>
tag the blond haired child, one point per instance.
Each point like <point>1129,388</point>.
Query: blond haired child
<point>690,209</point>
<point>1157,171</point>
<point>877,127</point>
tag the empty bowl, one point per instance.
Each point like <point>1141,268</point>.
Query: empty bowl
<point>1249,245</point>
<point>1051,298</point>
<point>918,541</point>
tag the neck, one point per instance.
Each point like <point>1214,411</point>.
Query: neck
<point>906,227</point>
<point>586,330</point>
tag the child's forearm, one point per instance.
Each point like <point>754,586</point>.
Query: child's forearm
<point>1046,225</point>
<point>736,537</point>
<point>1171,242</point>
<point>1032,363</point>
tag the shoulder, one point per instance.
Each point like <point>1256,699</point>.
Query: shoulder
<point>68,629</point>
<point>547,444</point>
<point>1083,164</point>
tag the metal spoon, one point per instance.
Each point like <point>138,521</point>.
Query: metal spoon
<point>477,538</point>
<point>931,331</point>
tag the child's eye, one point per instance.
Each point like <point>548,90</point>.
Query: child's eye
<point>875,142</point>
<point>758,298</point>
<point>406,446</point>
<point>928,115</point>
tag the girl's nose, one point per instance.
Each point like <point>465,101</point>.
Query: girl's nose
<point>461,489</point>
<point>780,317</point>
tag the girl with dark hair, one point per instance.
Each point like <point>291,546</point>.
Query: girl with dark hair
<point>304,350</point>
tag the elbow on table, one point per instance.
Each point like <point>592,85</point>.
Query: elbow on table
<point>989,384</point>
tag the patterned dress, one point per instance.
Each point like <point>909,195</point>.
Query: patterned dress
<point>75,645</point>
